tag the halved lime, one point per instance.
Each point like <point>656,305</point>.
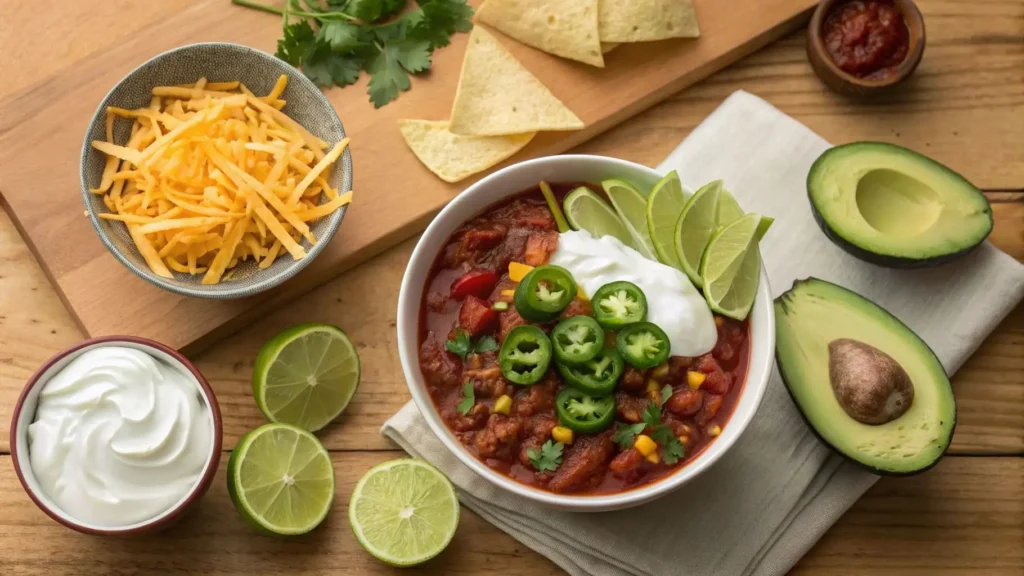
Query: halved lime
<point>631,206</point>
<point>306,376</point>
<point>585,210</point>
<point>664,205</point>
<point>695,227</point>
<point>731,268</point>
<point>281,480</point>
<point>404,512</point>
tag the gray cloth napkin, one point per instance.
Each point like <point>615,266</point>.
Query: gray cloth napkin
<point>773,495</point>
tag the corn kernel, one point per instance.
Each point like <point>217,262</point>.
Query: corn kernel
<point>653,458</point>
<point>518,271</point>
<point>719,321</point>
<point>508,292</point>
<point>695,379</point>
<point>714,430</point>
<point>645,445</point>
<point>684,440</point>
<point>503,405</point>
<point>660,371</point>
<point>562,434</point>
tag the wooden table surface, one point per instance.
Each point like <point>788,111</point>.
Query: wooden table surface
<point>965,107</point>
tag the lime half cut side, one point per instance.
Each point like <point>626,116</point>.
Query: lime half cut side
<point>731,268</point>
<point>631,206</point>
<point>585,210</point>
<point>695,227</point>
<point>664,205</point>
<point>306,376</point>
<point>404,512</point>
<point>281,480</point>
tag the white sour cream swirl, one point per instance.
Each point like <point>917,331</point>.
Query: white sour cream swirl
<point>119,437</point>
<point>672,301</point>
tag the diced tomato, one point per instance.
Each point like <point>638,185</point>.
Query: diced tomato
<point>479,283</point>
<point>476,315</point>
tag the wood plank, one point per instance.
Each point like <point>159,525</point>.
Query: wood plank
<point>364,301</point>
<point>962,107</point>
<point>964,517</point>
<point>105,298</point>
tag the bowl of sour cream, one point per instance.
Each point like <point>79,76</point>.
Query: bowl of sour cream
<point>116,436</point>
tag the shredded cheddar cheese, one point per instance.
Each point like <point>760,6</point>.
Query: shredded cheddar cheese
<point>213,175</point>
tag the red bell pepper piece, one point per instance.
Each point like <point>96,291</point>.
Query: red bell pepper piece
<point>479,283</point>
<point>476,316</point>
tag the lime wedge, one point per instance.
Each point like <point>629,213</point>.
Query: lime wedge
<point>281,480</point>
<point>729,209</point>
<point>731,268</point>
<point>404,512</point>
<point>763,226</point>
<point>631,207</point>
<point>585,210</point>
<point>664,205</point>
<point>694,228</point>
<point>306,376</point>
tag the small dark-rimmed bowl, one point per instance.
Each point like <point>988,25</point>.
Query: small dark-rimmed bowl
<point>25,411</point>
<point>845,83</point>
<point>217,62</point>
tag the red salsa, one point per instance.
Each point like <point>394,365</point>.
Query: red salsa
<point>466,314</point>
<point>866,38</point>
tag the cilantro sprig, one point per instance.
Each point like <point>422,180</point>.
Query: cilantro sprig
<point>462,346</point>
<point>672,450</point>
<point>548,458</point>
<point>468,399</point>
<point>334,40</point>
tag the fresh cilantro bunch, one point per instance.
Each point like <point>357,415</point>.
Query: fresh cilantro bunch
<point>334,40</point>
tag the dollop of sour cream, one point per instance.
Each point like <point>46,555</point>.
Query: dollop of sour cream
<point>672,301</point>
<point>119,437</point>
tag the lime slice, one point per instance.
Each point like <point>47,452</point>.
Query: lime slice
<point>306,376</point>
<point>664,205</point>
<point>694,228</point>
<point>631,207</point>
<point>404,512</point>
<point>729,209</point>
<point>731,268</point>
<point>281,480</point>
<point>585,210</point>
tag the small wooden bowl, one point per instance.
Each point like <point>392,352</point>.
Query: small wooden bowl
<point>845,83</point>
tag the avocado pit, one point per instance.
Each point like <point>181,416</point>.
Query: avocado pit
<point>869,384</point>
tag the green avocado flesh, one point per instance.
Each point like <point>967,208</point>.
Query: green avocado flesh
<point>814,313</point>
<point>892,206</point>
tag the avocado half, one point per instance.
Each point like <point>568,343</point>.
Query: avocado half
<point>814,313</point>
<point>893,207</point>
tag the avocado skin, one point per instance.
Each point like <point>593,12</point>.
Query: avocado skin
<point>884,260</point>
<point>789,389</point>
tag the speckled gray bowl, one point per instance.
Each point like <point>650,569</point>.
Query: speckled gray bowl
<point>218,62</point>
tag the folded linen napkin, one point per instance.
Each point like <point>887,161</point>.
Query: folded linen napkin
<point>772,496</point>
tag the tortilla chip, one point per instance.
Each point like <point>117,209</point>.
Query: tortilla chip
<point>643,20</point>
<point>566,29</point>
<point>607,47</point>
<point>453,157</point>
<point>497,96</point>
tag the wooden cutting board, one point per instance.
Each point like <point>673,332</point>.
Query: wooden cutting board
<point>41,131</point>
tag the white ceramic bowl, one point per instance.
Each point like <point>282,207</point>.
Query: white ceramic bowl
<point>495,188</point>
<point>25,412</point>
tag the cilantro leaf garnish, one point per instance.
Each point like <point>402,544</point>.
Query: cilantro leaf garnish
<point>334,40</point>
<point>485,344</point>
<point>625,434</point>
<point>548,458</point>
<point>468,399</point>
<point>666,393</point>
<point>461,345</point>
<point>671,450</point>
